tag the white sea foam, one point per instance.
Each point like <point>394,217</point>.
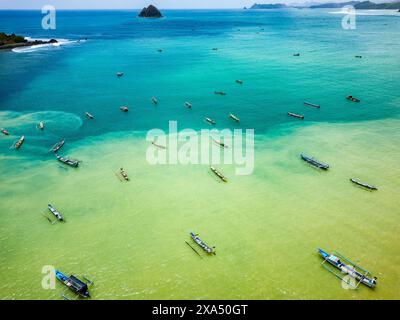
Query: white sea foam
<point>369,12</point>
<point>46,46</point>
<point>57,120</point>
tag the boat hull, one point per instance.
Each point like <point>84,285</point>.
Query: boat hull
<point>314,163</point>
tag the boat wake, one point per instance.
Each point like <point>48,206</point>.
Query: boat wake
<point>46,46</point>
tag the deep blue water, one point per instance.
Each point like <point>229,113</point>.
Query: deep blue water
<point>254,46</point>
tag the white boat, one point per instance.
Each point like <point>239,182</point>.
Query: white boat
<point>55,212</point>
<point>88,115</point>
<point>232,116</point>
<point>210,121</point>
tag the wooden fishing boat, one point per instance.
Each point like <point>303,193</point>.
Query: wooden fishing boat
<point>232,116</point>
<point>124,109</point>
<point>88,115</point>
<point>362,184</point>
<point>203,245</point>
<point>299,116</point>
<point>296,54</point>
<point>76,285</point>
<point>348,268</point>
<point>221,93</point>
<point>67,161</point>
<point>219,174</point>
<point>311,104</point>
<point>210,121</point>
<point>158,145</point>
<point>314,162</point>
<point>154,100</point>
<point>55,213</point>
<point>353,99</point>
<point>19,143</point>
<point>41,125</point>
<point>221,144</point>
<point>4,131</point>
<point>58,146</point>
<point>239,81</point>
<point>124,174</point>
<point>120,74</point>
<point>188,105</point>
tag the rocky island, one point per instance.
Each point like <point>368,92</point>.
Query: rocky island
<point>150,12</point>
<point>12,41</point>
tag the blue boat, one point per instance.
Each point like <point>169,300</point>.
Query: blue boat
<point>74,284</point>
<point>314,162</point>
<point>205,247</point>
<point>348,268</point>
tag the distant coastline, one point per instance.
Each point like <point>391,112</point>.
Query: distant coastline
<point>364,5</point>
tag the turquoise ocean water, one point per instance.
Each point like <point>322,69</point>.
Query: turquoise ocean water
<point>266,226</point>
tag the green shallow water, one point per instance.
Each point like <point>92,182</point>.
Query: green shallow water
<point>129,237</point>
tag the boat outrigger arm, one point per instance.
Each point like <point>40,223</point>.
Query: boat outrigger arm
<point>348,268</point>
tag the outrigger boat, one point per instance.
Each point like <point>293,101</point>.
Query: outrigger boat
<point>188,105</point>
<point>120,74</point>
<point>19,143</point>
<point>88,115</point>
<point>58,146</point>
<point>314,162</point>
<point>239,81</point>
<point>204,246</point>
<point>124,174</point>
<point>362,184</point>
<point>223,145</point>
<point>232,116</point>
<point>158,145</point>
<point>220,93</point>
<point>219,174</point>
<point>154,100</point>
<point>124,109</point>
<point>299,116</point>
<point>210,121</point>
<point>56,213</point>
<point>351,98</point>
<point>4,131</point>
<point>67,161</point>
<point>311,104</point>
<point>76,285</point>
<point>348,268</point>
